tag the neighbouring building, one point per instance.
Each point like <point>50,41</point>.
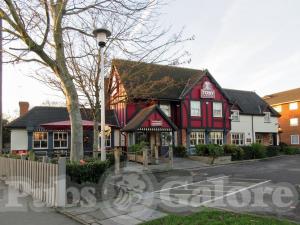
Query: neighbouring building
<point>46,130</point>
<point>287,103</point>
<point>252,120</point>
<point>155,103</point>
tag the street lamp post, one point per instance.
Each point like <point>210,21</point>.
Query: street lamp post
<point>101,36</point>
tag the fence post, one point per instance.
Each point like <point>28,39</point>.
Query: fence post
<point>145,158</point>
<point>156,154</point>
<point>117,160</point>
<point>171,157</point>
<point>45,159</point>
<point>61,183</point>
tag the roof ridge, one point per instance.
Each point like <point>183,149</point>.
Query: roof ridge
<point>230,89</point>
<point>281,92</point>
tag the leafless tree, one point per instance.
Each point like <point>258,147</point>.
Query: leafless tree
<point>60,34</point>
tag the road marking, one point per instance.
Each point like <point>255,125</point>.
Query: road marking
<point>189,184</point>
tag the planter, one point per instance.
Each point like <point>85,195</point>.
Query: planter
<point>208,160</point>
<point>135,158</point>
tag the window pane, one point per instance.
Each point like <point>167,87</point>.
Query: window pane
<point>294,122</point>
<point>293,106</point>
<point>217,109</point>
<point>56,144</point>
<point>166,109</point>
<point>43,144</point>
<point>195,108</point>
<point>294,139</point>
<point>64,144</point>
<point>55,136</point>
<point>36,144</point>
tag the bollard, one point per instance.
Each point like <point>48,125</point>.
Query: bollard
<point>156,155</point>
<point>171,157</point>
<point>61,183</point>
<point>145,158</point>
<point>117,161</point>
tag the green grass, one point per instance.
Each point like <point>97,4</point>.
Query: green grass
<point>216,217</point>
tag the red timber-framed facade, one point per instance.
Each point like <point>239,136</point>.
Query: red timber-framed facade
<point>167,105</point>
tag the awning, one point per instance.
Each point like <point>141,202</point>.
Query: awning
<point>151,118</point>
<point>66,125</point>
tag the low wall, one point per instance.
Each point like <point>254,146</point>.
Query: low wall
<point>209,160</point>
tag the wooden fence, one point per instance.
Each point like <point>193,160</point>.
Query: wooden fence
<point>44,181</point>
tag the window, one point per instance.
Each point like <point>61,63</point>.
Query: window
<point>294,122</point>
<point>195,108</point>
<point>238,138</point>
<point>295,139</point>
<point>217,109</point>
<point>278,108</point>
<point>166,108</point>
<point>60,140</point>
<point>216,138</point>
<point>197,138</point>
<point>293,106</point>
<point>108,140</point>
<point>267,117</point>
<point>235,116</point>
<point>40,140</point>
<point>259,138</point>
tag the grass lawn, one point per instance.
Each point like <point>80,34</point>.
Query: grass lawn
<point>216,217</point>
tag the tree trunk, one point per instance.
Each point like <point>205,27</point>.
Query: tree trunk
<point>96,139</point>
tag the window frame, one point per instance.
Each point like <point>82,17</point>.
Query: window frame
<point>294,125</point>
<point>240,140</point>
<point>295,135</point>
<point>60,132</point>
<point>216,139</point>
<point>169,108</point>
<point>267,117</point>
<point>221,109</point>
<point>200,113</point>
<point>238,115</point>
<point>293,104</point>
<point>199,136</point>
<point>261,138</point>
<point>33,140</point>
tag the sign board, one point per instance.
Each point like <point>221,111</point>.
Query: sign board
<point>207,90</point>
<point>156,123</point>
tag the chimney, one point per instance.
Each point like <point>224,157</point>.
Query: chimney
<point>24,107</point>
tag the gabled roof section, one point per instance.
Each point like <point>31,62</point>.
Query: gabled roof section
<point>45,114</point>
<point>146,80</point>
<point>292,95</point>
<point>249,102</point>
<point>142,116</point>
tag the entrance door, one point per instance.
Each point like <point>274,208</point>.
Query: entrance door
<point>166,141</point>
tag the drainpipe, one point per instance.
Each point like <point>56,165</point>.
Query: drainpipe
<point>253,135</point>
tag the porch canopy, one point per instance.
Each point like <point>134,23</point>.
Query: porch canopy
<point>151,118</point>
<point>66,125</point>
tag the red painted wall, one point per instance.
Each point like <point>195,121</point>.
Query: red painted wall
<point>155,116</point>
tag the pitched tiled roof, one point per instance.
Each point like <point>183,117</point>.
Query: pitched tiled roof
<point>249,102</point>
<point>142,115</point>
<point>45,114</point>
<point>145,80</point>
<point>283,97</point>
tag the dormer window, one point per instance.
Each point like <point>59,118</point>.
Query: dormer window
<point>235,115</point>
<point>267,117</point>
<point>166,108</point>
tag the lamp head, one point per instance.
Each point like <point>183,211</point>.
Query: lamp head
<point>101,35</point>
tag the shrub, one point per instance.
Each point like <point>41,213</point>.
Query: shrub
<point>291,150</point>
<point>259,151</point>
<point>272,151</point>
<point>202,150</point>
<point>215,151</point>
<point>282,146</point>
<point>137,148</point>
<point>248,152</point>
<point>180,151</point>
<point>236,152</point>
<point>110,157</point>
<point>90,171</point>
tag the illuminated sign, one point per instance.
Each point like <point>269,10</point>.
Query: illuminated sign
<point>207,90</point>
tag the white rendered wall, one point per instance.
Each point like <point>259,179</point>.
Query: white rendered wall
<point>19,140</point>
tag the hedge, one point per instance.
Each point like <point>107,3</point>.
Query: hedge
<point>180,151</point>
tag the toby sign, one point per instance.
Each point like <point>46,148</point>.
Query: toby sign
<point>207,90</point>
<point>156,123</point>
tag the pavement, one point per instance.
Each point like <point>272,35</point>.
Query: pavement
<point>255,187</point>
<point>19,209</point>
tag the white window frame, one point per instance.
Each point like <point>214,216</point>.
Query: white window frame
<point>214,139</point>
<point>267,117</point>
<point>198,137</point>
<point>195,108</point>
<point>293,106</point>
<point>58,133</point>
<point>296,120</point>
<point>294,143</point>
<point>167,110</point>
<point>278,108</point>
<point>33,140</point>
<point>235,116</point>
<point>238,139</point>
<point>220,111</point>
<point>260,139</point>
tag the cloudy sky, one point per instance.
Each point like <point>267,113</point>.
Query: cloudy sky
<point>245,44</point>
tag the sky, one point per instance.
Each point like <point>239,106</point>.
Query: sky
<point>245,44</point>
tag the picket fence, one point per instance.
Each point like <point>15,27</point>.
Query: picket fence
<point>43,181</point>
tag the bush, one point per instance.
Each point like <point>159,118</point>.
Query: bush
<point>137,148</point>
<point>202,150</point>
<point>90,171</point>
<point>180,151</point>
<point>282,146</point>
<point>273,151</point>
<point>215,151</point>
<point>236,152</point>
<point>291,150</point>
<point>110,157</point>
<point>259,151</point>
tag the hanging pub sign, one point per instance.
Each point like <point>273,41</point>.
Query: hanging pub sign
<point>156,123</point>
<point>207,90</point>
